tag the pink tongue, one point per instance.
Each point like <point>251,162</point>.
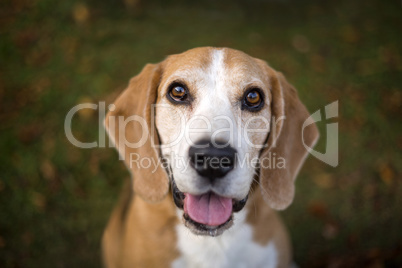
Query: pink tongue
<point>209,209</point>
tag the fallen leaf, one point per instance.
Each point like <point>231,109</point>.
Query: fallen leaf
<point>330,231</point>
<point>29,133</point>
<point>86,113</point>
<point>350,34</point>
<point>324,180</point>
<point>386,174</point>
<point>318,209</point>
<point>38,200</point>
<point>80,13</point>
<point>48,170</point>
<point>132,4</point>
<point>318,63</point>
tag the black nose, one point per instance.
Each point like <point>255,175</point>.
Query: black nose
<point>212,161</point>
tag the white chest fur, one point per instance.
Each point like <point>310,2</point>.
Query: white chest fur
<point>234,248</point>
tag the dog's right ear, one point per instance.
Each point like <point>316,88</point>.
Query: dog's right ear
<point>129,127</point>
<point>288,141</point>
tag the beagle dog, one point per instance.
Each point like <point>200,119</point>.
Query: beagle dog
<point>213,139</point>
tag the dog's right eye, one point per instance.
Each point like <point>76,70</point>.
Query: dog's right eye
<point>178,93</point>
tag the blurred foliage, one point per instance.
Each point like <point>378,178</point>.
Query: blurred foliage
<point>56,198</point>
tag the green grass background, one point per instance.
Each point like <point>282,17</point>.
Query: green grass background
<point>56,198</point>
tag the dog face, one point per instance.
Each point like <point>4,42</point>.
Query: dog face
<point>215,112</point>
<point>220,118</point>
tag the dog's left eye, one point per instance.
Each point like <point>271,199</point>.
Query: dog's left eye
<point>253,100</point>
<point>178,93</point>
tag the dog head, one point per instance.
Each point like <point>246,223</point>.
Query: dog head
<point>219,119</point>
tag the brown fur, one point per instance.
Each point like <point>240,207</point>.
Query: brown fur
<point>267,227</point>
<point>137,100</point>
<point>140,234</point>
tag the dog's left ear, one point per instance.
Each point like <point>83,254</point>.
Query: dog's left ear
<point>130,127</point>
<point>285,141</point>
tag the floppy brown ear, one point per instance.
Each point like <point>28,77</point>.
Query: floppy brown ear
<point>129,127</point>
<point>285,141</point>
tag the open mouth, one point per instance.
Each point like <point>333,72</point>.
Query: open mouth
<point>207,214</point>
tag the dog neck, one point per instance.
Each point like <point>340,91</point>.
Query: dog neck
<point>154,234</point>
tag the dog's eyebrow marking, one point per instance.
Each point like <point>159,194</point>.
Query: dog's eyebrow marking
<point>185,75</point>
<point>254,83</point>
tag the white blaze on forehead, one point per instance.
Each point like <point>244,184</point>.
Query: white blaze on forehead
<point>217,68</point>
<point>215,77</point>
<point>214,99</point>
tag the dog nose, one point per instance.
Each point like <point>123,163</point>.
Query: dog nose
<point>212,161</point>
